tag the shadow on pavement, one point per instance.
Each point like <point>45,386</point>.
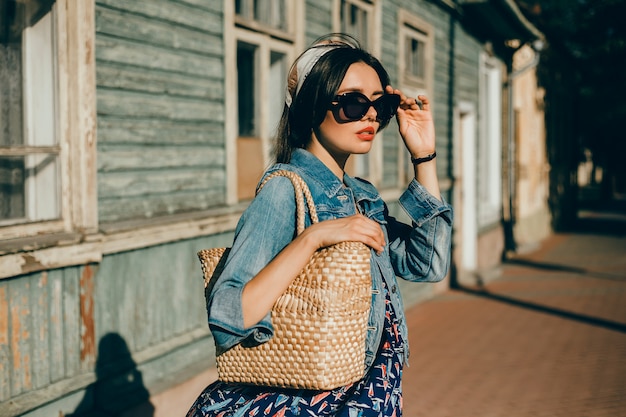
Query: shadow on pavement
<point>564,268</point>
<point>601,217</point>
<point>606,221</point>
<point>608,324</point>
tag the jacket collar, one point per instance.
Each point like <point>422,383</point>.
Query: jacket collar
<point>306,162</point>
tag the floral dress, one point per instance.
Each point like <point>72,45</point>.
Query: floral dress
<point>378,394</point>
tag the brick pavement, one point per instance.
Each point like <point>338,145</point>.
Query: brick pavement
<point>545,339</point>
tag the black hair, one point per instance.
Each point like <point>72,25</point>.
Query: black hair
<point>309,106</point>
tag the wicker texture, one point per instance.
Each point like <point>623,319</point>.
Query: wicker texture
<point>320,322</point>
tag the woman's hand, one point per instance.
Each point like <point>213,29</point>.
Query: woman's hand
<point>418,132</point>
<point>262,291</point>
<point>416,125</point>
<point>357,228</point>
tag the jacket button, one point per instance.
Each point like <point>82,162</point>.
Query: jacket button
<point>394,289</point>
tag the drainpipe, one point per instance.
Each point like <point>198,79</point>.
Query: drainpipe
<point>510,245</point>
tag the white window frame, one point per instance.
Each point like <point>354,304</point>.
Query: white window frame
<point>367,166</point>
<point>411,26</point>
<point>371,8</point>
<point>490,141</point>
<point>266,40</point>
<point>289,13</point>
<point>75,126</point>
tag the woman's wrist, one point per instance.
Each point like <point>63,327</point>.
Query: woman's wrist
<point>422,159</point>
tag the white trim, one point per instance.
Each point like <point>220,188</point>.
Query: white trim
<point>490,141</point>
<point>76,249</point>
<point>464,167</point>
<point>151,235</point>
<point>81,107</point>
<point>49,258</point>
<point>230,101</point>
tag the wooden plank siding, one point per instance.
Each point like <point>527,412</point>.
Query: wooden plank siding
<point>40,331</point>
<point>52,323</point>
<point>160,88</point>
<point>319,20</point>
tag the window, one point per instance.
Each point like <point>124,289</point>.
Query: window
<point>29,156</point>
<point>416,68</point>
<point>261,65</point>
<point>416,53</point>
<point>356,18</point>
<point>46,63</point>
<point>490,141</point>
<point>267,12</point>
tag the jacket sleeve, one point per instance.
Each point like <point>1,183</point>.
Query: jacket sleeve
<point>265,228</point>
<point>421,252</point>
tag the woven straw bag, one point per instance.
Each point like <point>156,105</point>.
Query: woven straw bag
<point>320,322</point>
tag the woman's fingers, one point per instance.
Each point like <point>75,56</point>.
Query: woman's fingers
<point>354,228</point>
<point>425,102</point>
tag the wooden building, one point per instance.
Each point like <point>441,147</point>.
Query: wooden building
<point>132,134</point>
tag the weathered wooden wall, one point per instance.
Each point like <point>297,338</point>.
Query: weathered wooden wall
<point>53,323</point>
<point>160,90</point>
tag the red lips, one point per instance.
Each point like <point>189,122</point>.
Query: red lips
<point>367,133</point>
<point>369,129</point>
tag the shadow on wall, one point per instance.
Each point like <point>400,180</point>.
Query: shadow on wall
<point>119,385</point>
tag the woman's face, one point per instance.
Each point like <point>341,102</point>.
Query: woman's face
<point>341,138</point>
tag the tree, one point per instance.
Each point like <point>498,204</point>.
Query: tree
<point>587,38</point>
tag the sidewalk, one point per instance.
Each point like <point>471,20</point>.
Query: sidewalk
<point>547,338</point>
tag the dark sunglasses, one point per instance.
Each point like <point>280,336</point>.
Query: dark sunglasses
<point>353,106</point>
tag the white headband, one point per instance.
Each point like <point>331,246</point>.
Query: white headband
<point>304,65</point>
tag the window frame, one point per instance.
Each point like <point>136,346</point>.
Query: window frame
<point>75,114</point>
<point>287,33</point>
<point>266,40</point>
<point>410,25</point>
<point>368,6</point>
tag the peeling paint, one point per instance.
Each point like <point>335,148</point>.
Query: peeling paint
<point>19,339</point>
<point>4,317</point>
<point>30,263</point>
<point>42,302</point>
<point>88,333</point>
<point>43,281</point>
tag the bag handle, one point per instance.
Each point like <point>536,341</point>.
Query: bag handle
<point>302,193</point>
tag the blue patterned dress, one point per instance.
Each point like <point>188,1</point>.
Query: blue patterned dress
<point>378,394</point>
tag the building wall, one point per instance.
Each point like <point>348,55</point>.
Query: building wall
<point>533,219</point>
<point>138,313</point>
<point>160,106</point>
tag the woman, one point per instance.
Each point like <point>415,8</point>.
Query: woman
<point>338,98</point>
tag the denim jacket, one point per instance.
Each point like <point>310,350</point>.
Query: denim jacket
<point>417,252</point>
